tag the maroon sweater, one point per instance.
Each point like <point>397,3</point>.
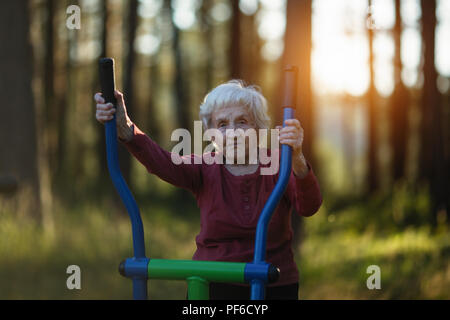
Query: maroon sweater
<point>230,206</point>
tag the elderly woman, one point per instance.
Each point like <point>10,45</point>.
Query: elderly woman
<point>231,196</point>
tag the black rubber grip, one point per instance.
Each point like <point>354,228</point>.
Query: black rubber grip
<point>107,83</point>
<point>290,87</point>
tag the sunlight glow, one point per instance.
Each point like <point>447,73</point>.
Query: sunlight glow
<point>340,44</point>
<point>384,13</point>
<point>272,50</point>
<point>271,24</point>
<point>443,49</point>
<point>149,8</point>
<point>273,4</point>
<point>184,13</point>
<point>410,12</point>
<point>340,64</point>
<point>271,20</point>
<point>147,44</point>
<point>340,48</point>
<point>248,7</point>
<point>383,45</point>
<point>410,55</point>
<point>443,37</point>
<point>221,12</point>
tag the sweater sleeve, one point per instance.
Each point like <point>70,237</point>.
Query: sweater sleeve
<point>160,162</point>
<point>304,193</point>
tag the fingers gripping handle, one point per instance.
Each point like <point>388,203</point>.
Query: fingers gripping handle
<point>107,81</point>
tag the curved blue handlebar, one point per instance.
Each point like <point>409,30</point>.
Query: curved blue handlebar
<point>139,283</point>
<point>275,196</point>
<point>107,82</point>
<point>257,285</point>
<point>123,190</point>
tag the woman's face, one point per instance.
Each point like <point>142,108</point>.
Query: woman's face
<point>234,118</point>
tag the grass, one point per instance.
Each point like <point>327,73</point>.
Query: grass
<point>334,255</point>
<point>96,238</point>
<point>414,260</point>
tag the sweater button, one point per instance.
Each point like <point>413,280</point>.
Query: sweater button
<point>245,199</point>
<point>247,207</point>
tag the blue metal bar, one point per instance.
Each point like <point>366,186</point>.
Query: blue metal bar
<point>139,283</point>
<point>257,289</point>
<point>275,196</point>
<point>139,289</point>
<point>123,190</point>
<point>258,271</point>
<point>289,103</point>
<point>133,267</point>
<point>106,68</point>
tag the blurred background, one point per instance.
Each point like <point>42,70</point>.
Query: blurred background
<point>374,100</point>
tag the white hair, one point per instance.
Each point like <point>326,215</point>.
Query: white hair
<point>232,93</point>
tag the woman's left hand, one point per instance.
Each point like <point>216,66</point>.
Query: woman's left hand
<point>292,135</point>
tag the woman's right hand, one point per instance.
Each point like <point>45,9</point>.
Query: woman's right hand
<point>105,112</point>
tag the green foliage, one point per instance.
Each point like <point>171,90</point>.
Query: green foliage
<point>386,211</point>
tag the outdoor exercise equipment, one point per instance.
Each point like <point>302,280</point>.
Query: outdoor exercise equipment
<point>197,274</point>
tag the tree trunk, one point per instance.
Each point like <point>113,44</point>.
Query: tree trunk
<point>432,162</point>
<point>207,38</point>
<point>398,106</point>
<point>49,67</point>
<point>150,109</point>
<point>17,124</point>
<point>297,51</point>
<point>251,53</point>
<point>61,98</point>
<point>124,155</point>
<point>103,174</point>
